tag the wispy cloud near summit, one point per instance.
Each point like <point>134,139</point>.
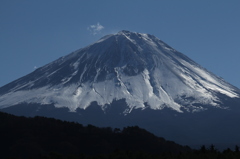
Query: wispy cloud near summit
<point>95,29</point>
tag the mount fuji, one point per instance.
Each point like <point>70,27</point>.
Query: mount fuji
<point>131,78</point>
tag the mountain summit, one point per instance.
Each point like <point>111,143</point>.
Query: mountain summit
<point>139,68</point>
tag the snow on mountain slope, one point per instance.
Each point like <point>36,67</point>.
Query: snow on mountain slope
<point>136,67</point>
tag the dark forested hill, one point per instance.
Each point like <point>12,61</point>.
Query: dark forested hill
<point>40,136</point>
<point>48,138</point>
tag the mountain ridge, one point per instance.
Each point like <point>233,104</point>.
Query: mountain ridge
<point>133,66</point>
<point>128,79</point>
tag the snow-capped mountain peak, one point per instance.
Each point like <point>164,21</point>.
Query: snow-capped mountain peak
<point>136,67</point>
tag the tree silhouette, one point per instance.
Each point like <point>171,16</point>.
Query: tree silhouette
<point>236,148</point>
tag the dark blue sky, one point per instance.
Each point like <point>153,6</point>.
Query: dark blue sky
<point>34,33</point>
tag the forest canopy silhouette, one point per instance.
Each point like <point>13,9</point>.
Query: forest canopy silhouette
<point>42,137</point>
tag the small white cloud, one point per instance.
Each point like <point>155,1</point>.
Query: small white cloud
<point>95,29</point>
<point>35,67</point>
